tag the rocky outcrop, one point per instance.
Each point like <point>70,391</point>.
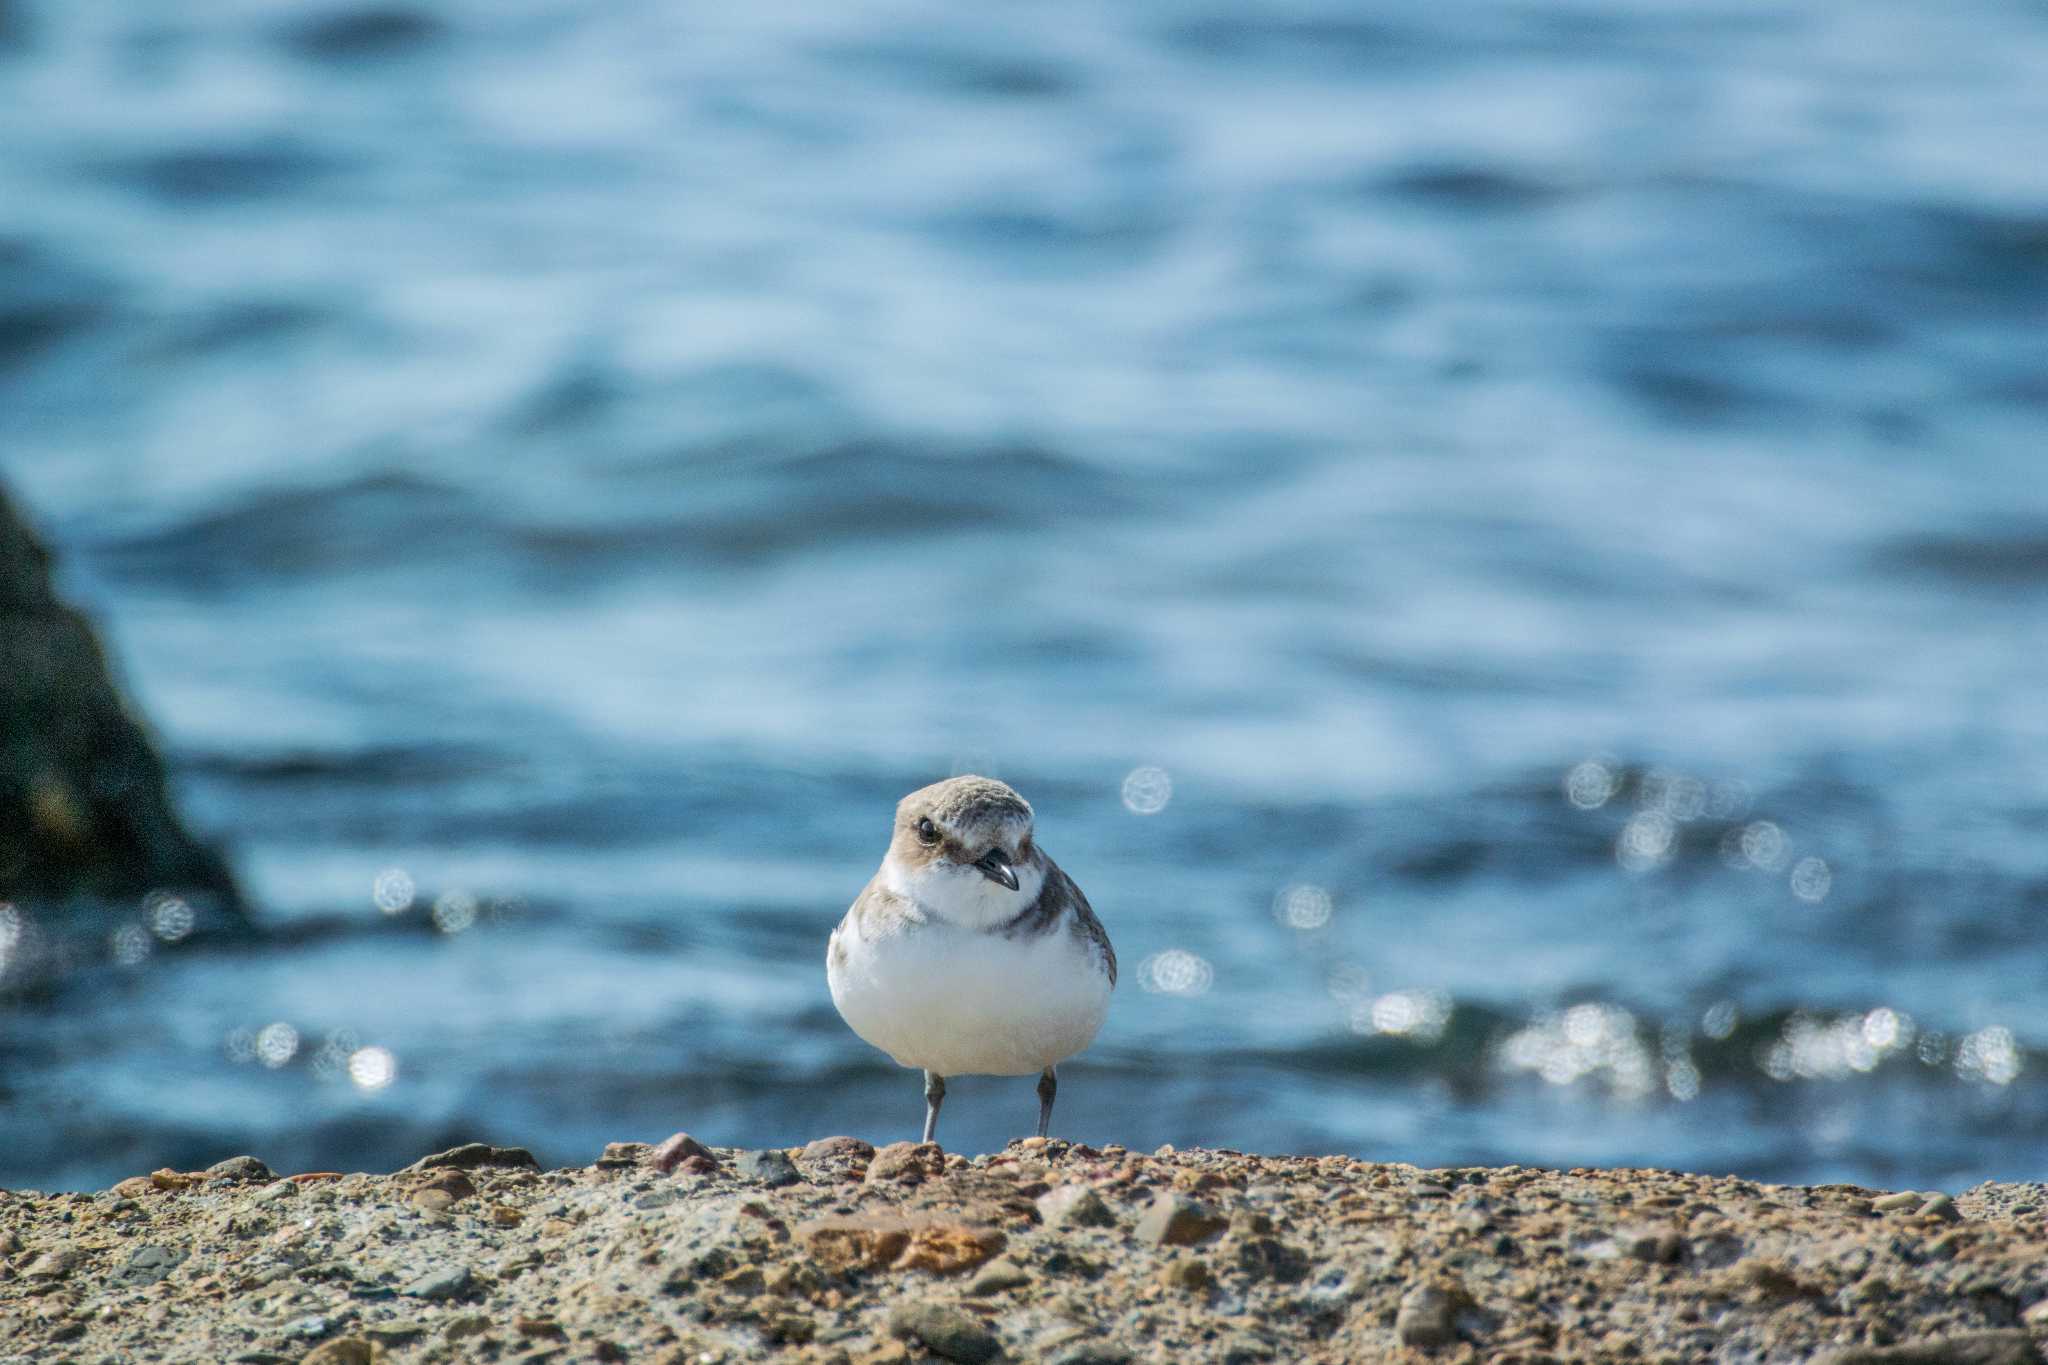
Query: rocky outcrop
<point>839,1254</point>
<point>85,821</point>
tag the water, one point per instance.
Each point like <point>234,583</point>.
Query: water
<point>1556,490</point>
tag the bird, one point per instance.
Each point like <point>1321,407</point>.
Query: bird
<point>970,952</point>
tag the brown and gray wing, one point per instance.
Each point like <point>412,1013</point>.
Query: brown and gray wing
<point>1086,926</point>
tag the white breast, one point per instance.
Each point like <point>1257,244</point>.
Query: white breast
<point>957,1001</point>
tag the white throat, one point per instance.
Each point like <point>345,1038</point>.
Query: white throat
<point>961,895</point>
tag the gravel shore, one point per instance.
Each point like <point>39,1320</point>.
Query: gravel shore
<point>837,1252</point>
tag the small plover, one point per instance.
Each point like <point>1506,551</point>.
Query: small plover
<point>971,953</point>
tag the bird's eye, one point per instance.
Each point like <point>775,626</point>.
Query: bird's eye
<point>927,831</point>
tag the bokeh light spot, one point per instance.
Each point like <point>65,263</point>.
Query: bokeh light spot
<point>170,918</point>
<point>1147,790</point>
<point>131,945</point>
<point>372,1068</point>
<point>454,911</point>
<point>1176,971</point>
<point>393,891</point>
<point>1590,785</point>
<point>276,1044</point>
<point>1811,880</point>
<point>1991,1055</point>
<point>1303,906</point>
<point>1646,842</point>
<point>1764,845</point>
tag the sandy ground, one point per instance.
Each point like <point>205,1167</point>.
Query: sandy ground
<point>1044,1251</point>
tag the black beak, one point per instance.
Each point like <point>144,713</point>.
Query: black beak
<point>995,866</point>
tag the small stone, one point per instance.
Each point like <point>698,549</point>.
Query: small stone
<point>1898,1203</point>
<point>54,1263</point>
<point>505,1216</point>
<point>539,1327</point>
<point>446,1283</point>
<point>282,1189</point>
<point>309,1328</point>
<point>1942,1207</point>
<point>467,1325</point>
<point>771,1168</point>
<point>149,1264</point>
<point>945,1331</point>
<point>1175,1220</point>
<point>678,1149</point>
<point>1074,1206</point>
<point>1189,1275</point>
<point>344,1351</point>
<point>240,1168</point>
<point>908,1163</point>
<point>617,1155</point>
<point>2037,1316</point>
<point>1657,1243</point>
<point>1091,1354</point>
<point>135,1186</point>
<point>431,1201</point>
<point>168,1179</point>
<point>473,1156</point>
<point>1426,1317</point>
<point>394,1333</point>
<point>998,1276</point>
<point>837,1149</point>
<point>2006,1346</point>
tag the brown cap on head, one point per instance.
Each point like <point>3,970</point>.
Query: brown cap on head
<point>967,815</point>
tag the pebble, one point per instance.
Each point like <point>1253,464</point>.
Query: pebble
<point>1189,1275</point>
<point>997,1276</point>
<point>772,1168</point>
<point>150,1264</point>
<point>344,1351</point>
<point>283,1189</point>
<point>1093,1355</point>
<point>240,1168</point>
<point>54,1263</point>
<point>309,1328</point>
<point>1074,1206</point>
<point>2008,1346</point>
<point>908,1163</point>
<point>1898,1203</point>
<point>1175,1220</point>
<point>472,1155</point>
<point>945,1331</point>
<point>1942,1207</point>
<point>445,1283</point>
<point>622,1154</point>
<point>466,1325</point>
<point>1426,1317</point>
<point>680,1149</point>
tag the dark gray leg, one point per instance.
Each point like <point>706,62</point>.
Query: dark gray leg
<point>1048,1086</point>
<point>934,1096</point>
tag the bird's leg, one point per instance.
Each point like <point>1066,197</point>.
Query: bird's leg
<point>1048,1086</point>
<point>934,1096</point>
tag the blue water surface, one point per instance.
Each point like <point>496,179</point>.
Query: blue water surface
<point>1556,491</point>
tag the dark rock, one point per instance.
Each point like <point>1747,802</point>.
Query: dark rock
<point>946,1332</point>
<point>2005,1347</point>
<point>1093,1355</point>
<point>771,1167</point>
<point>240,1168</point>
<point>621,1155</point>
<point>472,1156</point>
<point>150,1264</point>
<point>84,815</point>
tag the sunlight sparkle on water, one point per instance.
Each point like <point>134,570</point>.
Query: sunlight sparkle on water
<point>1990,1054</point>
<point>1420,1015</point>
<point>1587,1041</point>
<point>1646,842</point>
<point>170,918</point>
<point>276,1044</point>
<point>1811,880</point>
<point>454,911</point>
<point>393,891</point>
<point>1176,971</point>
<point>131,945</point>
<point>1147,790</point>
<point>1591,784</point>
<point>1764,845</point>
<point>372,1068</point>
<point>1303,906</point>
